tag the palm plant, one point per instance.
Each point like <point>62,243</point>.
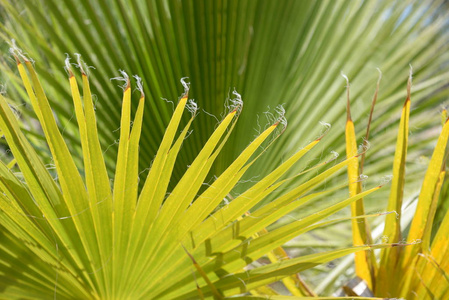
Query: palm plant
<point>115,242</point>
<point>273,52</point>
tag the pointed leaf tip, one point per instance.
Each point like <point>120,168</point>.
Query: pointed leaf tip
<point>409,83</point>
<point>348,107</point>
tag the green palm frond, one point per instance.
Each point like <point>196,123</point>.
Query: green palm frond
<point>273,52</point>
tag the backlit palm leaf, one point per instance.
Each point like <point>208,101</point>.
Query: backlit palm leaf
<point>107,240</point>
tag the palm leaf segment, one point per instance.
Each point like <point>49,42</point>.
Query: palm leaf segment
<point>81,236</point>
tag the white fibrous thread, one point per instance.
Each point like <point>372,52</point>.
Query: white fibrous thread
<point>192,107</point>
<point>16,51</point>
<point>252,179</point>
<point>139,85</point>
<point>186,85</point>
<point>124,78</point>
<point>380,74</point>
<point>280,110</point>
<point>211,115</point>
<point>236,103</point>
<point>365,146</point>
<point>80,64</point>
<point>259,128</point>
<point>397,214</point>
<point>67,66</point>
<point>386,179</point>
<point>3,89</point>
<point>362,177</point>
<point>327,127</point>
<point>188,134</point>
<point>335,155</point>
<point>171,102</point>
<point>269,116</point>
<point>346,78</point>
<point>226,201</point>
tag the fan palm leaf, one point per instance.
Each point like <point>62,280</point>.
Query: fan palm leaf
<point>226,44</point>
<point>108,240</point>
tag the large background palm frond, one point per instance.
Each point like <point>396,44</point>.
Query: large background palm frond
<point>271,52</point>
